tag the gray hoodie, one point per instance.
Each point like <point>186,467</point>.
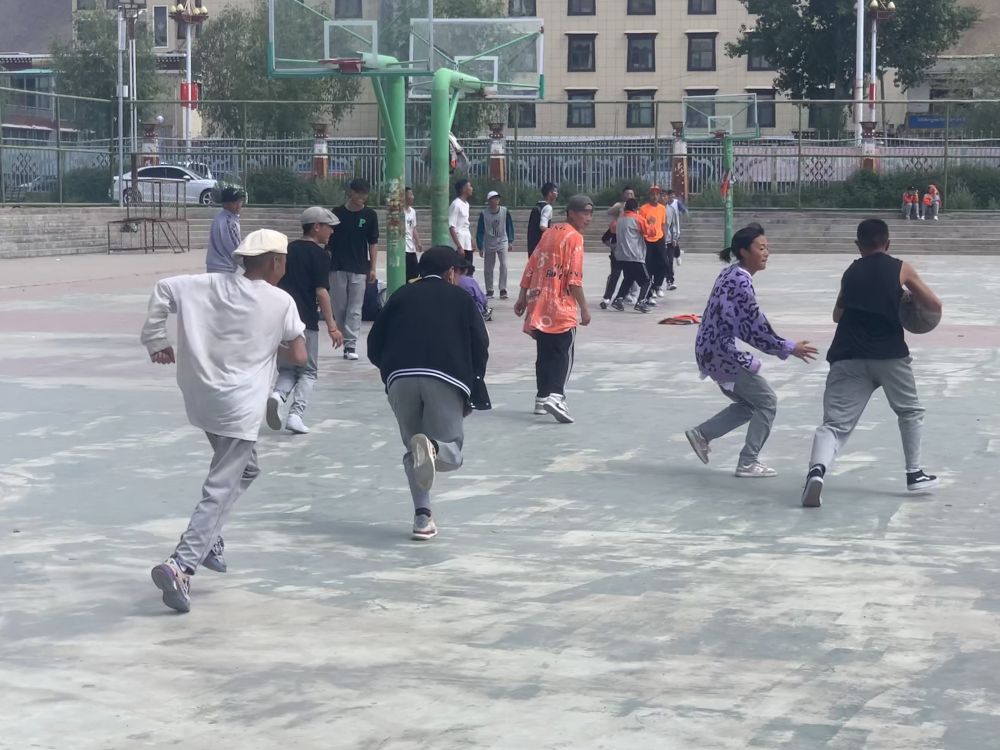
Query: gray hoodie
<point>631,243</point>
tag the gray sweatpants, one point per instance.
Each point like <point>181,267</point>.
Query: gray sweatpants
<point>489,263</point>
<point>849,385</point>
<point>754,402</point>
<point>300,379</point>
<point>234,467</point>
<point>347,295</point>
<point>429,406</point>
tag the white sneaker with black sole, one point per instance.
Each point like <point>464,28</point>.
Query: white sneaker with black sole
<point>295,424</point>
<point>918,481</point>
<point>540,406</point>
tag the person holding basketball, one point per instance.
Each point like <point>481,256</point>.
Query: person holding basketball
<point>869,352</point>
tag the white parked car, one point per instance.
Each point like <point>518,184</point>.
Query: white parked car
<point>198,188</point>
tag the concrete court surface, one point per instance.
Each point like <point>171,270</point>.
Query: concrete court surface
<point>593,586</point>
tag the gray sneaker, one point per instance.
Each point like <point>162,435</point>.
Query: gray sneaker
<point>215,560</point>
<point>174,583</point>
<point>698,444</point>
<point>755,470</point>
<point>556,406</point>
<point>813,491</point>
<point>274,402</point>
<point>423,453</point>
<point>424,528</point>
<point>540,406</point>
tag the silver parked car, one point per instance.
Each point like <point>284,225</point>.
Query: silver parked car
<point>199,188</point>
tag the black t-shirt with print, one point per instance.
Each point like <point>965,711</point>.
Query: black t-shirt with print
<point>349,244</point>
<point>307,268</point>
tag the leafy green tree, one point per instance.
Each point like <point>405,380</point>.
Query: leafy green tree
<point>87,66</point>
<point>978,79</point>
<point>230,58</point>
<point>811,43</point>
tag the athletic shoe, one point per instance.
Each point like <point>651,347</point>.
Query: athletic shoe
<point>643,307</point>
<point>174,583</point>
<point>935,218</point>
<point>423,453</point>
<point>503,294</point>
<point>755,470</point>
<point>917,481</point>
<point>556,406</point>
<point>698,444</point>
<point>649,301</point>
<point>671,286</point>
<point>424,528</point>
<point>489,294</point>
<point>923,218</point>
<point>618,304</point>
<point>630,300</point>
<point>296,425</point>
<point>605,303</point>
<point>214,560</point>
<point>350,354</point>
<point>813,491</point>
<point>274,402</point>
<point>658,292</point>
<point>540,406</point>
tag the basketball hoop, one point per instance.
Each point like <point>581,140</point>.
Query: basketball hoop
<point>344,64</point>
<point>720,134</point>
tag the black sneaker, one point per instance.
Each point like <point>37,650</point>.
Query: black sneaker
<point>604,305</point>
<point>643,307</point>
<point>503,294</point>
<point>618,304</point>
<point>917,481</point>
<point>489,294</point>
<point>813,491</point>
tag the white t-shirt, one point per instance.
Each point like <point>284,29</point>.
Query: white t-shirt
<point>410,223</point>
<point>545,216</point>
<point>228,332</point>
<point>458,219</point>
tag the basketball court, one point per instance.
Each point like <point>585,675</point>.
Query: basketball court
<point>593,585</point>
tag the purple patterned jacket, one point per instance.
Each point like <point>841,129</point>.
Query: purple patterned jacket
<point>732,313</point>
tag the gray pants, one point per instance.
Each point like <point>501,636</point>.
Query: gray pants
<point>489,263</point>
<point>234,467</point>
<point>429,406</point>
<point>347,294</point>
<point>754,402</point>
<point>300,379</point>
<point>849,386</point>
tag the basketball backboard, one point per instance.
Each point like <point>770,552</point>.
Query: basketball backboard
<point>506,53</point>
<point>302,34</point>
<point>710,117</point>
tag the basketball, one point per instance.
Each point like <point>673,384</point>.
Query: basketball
<point>917,319</point>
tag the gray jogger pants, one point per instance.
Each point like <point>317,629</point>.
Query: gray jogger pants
<point>429,406</point>
<point>300,380</point>
<point>754,401</point>
<point>490,258</point>
<point>347,295</point>
<point>234,467</point>
<point>849,385</point>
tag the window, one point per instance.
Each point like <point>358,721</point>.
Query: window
<point>701,50</point>
<point>86,4</point>
<point>641,109</point>
<point>642,7</point>
<point>521,8</point>
<point>766,115</point>
<point>521,116</point>
<point>160,26</point>
<point>641,53</point>
<point>580,109</point>
<point>582,8</point>
<point>756,60</point>
<point>701,7</point>
<point>347,9</point>
<point>697,113</point>
<point>582,53</point>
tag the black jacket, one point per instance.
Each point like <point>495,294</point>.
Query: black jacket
<point>434,329</point>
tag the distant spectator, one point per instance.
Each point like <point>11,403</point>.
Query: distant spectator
<point>911,202</point>
<point>224,236</point>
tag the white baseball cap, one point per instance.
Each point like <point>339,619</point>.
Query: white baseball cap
<point>492,194</point>
<point>261,242</point>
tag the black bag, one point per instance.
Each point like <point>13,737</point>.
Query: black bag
<point>373,302</point>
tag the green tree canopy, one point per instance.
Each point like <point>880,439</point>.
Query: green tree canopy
<point>811,42</point>
<point>230,59</point>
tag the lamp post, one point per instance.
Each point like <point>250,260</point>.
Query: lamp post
<point>128,13</point>
<point>877,11</point>
<point>192,15</point>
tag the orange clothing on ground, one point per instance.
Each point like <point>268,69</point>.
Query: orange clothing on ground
<point>655,216</point>
<point>554,266</point>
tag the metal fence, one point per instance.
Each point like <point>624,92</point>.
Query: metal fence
<point>62,150</point>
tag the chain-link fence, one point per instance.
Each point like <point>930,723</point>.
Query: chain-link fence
<point>60,149</point>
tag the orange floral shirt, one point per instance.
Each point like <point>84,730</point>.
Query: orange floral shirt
<point>555,266</point>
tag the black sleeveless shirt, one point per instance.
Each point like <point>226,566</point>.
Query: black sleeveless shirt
<point>870,294</point>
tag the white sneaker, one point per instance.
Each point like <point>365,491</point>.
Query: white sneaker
<point>350,354</point>
<point>296,425</point>
<point>424,528</point>
<point>556,406</point>
<point>935,218</point>
<point>671,286</point>
<point>659,292</point>
<point>756,470</point>
<point>274,402</point>
<point>423,453</point>
<point>540,406</point>
<point>698,444</point>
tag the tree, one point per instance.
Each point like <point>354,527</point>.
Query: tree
<point>811,42</point>
<point>231,62</point>
<point>87,66</point>
<point>979,80</point>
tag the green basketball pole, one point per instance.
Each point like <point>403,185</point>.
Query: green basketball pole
<point>392,105</point>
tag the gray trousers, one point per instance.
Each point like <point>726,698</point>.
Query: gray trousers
<point>429,406</point>
<point>489,263</point>
<point>300,379</point>
<point>234,467</point>
<point>754,402</point>
<point>849,385</point>
<point>347,294</point>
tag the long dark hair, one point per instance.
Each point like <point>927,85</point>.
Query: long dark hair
<point>742,240</point>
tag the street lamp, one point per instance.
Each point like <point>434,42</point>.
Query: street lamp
<point>192,15</point>
<point>128,13</point>
<point>877,11</point>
